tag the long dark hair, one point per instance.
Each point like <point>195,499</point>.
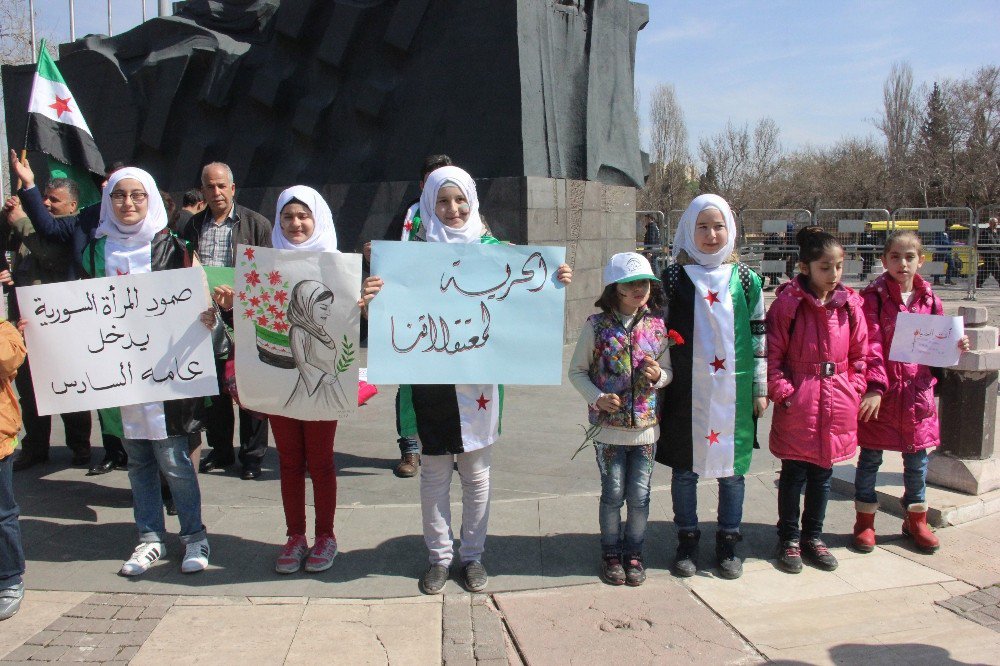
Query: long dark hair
<point>814,242</point>
<point>608,302</point>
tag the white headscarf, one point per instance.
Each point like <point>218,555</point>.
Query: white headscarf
<point>436,230</point>
<point>132,235</point>
<point>324,235</point>
<point>684,238</point>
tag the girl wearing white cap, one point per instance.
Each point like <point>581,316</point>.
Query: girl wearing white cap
<point>455,423</point>
<point>720,377</point>
<point>133,238</point>
<point>620,363</point>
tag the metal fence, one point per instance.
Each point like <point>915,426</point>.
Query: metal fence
<point>862,232</point>
<point>948,236</point>
<point>767,240</point>
<point>987,244</point>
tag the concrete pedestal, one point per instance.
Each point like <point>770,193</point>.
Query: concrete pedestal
<point>591,219</point>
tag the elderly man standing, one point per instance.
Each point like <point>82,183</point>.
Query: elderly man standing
<point>42,261</point>
<point>214,233</point>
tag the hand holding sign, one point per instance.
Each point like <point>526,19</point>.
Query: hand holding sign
<point>933,340</point>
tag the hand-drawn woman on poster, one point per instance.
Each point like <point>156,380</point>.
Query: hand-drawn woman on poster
<point>313,349</point>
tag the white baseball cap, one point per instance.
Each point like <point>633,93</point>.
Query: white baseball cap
<point>628,267</point>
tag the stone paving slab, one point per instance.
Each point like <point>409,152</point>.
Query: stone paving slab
<point>660,622</point>
<point>980,606</point>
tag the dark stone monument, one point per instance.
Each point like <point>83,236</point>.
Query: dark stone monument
<point>533,97</point>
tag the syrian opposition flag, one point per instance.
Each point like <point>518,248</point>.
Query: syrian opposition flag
<point>55,122</point>
<point>721,374</point>
<point>457,418</point>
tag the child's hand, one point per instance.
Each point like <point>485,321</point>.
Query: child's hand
<point>21,325</point>
<point>366,251</point>
<point>963,344</point>
<point>369,289</point>
<point>564,273</point>
<point>870,403</point>
<point>759,406</point>
<point>609,402</point>
<point>208,318</point>
<point>651,369</point>
<point>5,278</point>
<point>223,295</point>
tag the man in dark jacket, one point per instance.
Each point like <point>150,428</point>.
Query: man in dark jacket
<point>988,246</point>
<point>42,261</point>
<point>214,234</point>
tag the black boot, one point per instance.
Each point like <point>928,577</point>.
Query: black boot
<point>685,564</point>
<point>730,566</point>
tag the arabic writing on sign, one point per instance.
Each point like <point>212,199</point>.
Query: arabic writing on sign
<point>118,341</point>
<point>501,304</point>
<point>926,339</point>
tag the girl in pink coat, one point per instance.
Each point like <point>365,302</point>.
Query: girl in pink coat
<point>816,343</point>
<point>898,412</point>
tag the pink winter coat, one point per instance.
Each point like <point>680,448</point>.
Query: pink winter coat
<point>907,418</point>
<point>816,373</point>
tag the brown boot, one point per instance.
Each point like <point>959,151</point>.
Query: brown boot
<point>864,526</point>
<point>915,527</point>
<point>408,465</point>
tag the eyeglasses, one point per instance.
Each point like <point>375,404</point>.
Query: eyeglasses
<point>136,197</point>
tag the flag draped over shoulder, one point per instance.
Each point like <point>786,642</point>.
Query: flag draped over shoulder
<point>56,125</point>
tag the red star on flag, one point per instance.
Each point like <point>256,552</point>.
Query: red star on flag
<point>408,226</point>
<point>713,298</point>
<point>121,272</point>
<point>482,401</point>
<point>713,437</point>
<point>718,364</point>
<point>61,106</point>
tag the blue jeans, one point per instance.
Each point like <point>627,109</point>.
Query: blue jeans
<point>625,476</point>
<point>684,493</point>
<point>914,476</point>
<point>11,552</point>
<point>146,459</point>
<point>796,474</point>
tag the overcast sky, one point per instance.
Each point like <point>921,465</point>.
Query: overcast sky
<point>814,67</point>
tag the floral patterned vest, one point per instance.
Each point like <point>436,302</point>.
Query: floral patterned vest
<point>615,367</point>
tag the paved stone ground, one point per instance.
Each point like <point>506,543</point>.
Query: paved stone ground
<point>544,603</point>
<point>980,606</point>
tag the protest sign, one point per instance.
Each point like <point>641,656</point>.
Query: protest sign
<point>111,342</point>
<point>927,339</point>
<point>466,314</point>
<point>297,327</point>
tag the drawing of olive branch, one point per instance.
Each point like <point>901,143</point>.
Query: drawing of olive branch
<point>346,355</point>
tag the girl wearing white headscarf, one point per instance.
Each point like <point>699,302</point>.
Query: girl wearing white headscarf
<point>455,423</point>
<point>719,388</point>
<point>132,238</point>
<point>303,223</point>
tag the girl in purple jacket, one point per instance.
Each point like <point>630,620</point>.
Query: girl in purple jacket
<point>898,411</point>
<point>816,346</point>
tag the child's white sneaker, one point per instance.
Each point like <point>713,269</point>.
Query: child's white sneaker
<point>143,557</point>
<point>196,556</point>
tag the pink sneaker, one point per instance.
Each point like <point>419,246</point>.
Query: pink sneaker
<point>294,551</point>
<point>322,554</point>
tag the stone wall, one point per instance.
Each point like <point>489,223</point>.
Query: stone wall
<point>591,219</point>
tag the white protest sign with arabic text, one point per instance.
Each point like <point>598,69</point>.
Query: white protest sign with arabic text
<point>126,340</point>
<point>466,314</point>
<point>927,339</point>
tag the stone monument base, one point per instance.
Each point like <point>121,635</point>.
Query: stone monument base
<point>591,219</point>
<point>974,477</point>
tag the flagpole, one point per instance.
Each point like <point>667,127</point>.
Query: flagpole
<point>143,3</point>
<point>31,13</point>
<point>110,31</point>
<point>72,22</point>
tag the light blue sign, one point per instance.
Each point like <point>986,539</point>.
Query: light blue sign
<point>466,314</point>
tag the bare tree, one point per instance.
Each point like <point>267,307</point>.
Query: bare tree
<point>668,184</point>
<point>744,161</point>
<point>15,32</point>
<point>899,122</point>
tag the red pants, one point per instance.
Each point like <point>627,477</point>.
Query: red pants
<point>302,445</point>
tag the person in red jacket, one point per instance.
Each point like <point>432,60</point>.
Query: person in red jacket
<point>898,413</point>
<point>817,341</point>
